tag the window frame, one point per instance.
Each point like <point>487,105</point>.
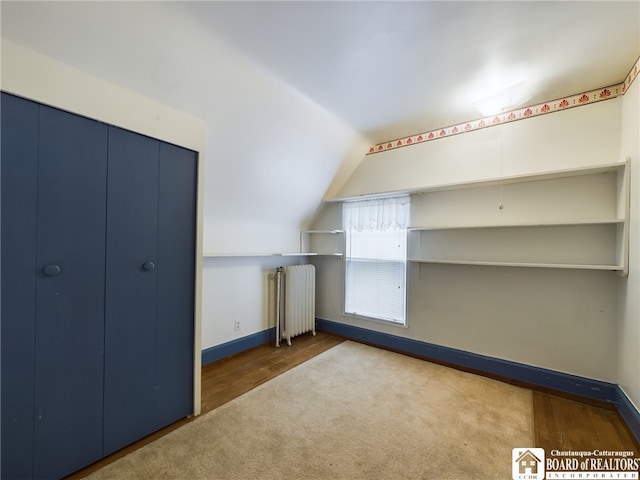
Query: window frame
<point>404,322</point>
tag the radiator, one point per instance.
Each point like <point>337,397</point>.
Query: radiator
<point>296,301</point>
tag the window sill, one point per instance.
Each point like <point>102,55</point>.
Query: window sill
<point>382,321</point>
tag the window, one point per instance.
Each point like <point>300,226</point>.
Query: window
<point>376,258</point>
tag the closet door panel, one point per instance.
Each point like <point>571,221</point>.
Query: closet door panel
<point>176,279</point>
<point>70,292</point>
<point>98,274</point>
<point>131,288</point>
<point>19,175</point>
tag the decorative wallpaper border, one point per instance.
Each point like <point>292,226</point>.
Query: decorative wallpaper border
<point>633,74</point>
<point>563,103</point>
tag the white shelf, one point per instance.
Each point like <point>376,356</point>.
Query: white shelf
<point>329,243</point>
<point>518,225</point>
<point>499,181</point>
<point>522,264</point>
<point>570,219</point>
<point>230,255</point>
<point>533,177</point>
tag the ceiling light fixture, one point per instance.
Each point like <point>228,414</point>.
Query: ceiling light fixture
<point>505,99</point>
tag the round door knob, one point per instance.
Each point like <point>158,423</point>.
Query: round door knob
<point>52,270</point>
<point>148,266</point>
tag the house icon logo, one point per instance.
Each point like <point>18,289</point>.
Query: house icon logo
<point>527,463</point>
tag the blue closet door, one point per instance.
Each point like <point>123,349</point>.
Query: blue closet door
<point>131,289</point>
<point>19,173</point>
<point>176,282</point>
<point>98,273</point>
<point>69,335</point>
<point>149,287</point>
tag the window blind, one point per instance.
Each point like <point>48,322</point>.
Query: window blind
<point>376,258</point>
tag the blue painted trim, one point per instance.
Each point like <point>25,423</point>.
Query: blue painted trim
<point>238,345</point>
<point>629,413</point>
<point>584,387</point>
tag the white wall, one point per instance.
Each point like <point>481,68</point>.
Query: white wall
<point>32,75</point>
<point>239,289</point>
<point>629,322</point>
<point>560,319</point>
<point>270,161</point>
<point>587,135</point>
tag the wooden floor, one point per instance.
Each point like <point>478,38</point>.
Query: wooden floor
<point>565,424</point>
<point>560,423</point>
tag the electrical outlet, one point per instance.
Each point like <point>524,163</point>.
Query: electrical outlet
<point>236,325</point>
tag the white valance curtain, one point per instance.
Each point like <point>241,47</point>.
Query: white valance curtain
<point>377,215</point>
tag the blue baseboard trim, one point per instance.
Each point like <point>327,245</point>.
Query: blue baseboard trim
<point>584,387</point>
<point>629,413</point>
<point>238,345</point>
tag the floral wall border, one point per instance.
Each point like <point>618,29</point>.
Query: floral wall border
<point>563,103</point>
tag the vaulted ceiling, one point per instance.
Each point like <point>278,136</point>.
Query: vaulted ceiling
<point>294,91</point>
<point>389,68</point>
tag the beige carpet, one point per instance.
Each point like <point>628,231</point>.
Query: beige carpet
<point>353,412</point>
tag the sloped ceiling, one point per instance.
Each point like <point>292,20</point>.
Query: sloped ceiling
<point>293,93</point>
<point>389,68</point>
